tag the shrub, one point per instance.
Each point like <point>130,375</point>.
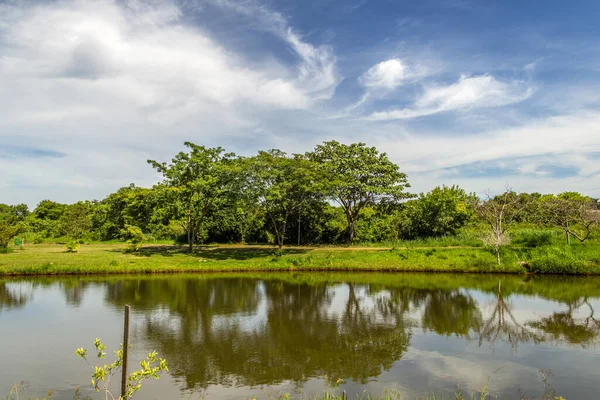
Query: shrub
<point>72,246</point>
<point>134,236</point>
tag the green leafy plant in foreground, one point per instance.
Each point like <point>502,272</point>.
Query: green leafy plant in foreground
<point>151,367</point>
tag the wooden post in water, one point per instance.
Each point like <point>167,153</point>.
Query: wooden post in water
<point>125,353</point>
<point>344,395</point>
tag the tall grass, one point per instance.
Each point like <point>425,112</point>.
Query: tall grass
<point>565,259</point>
<point>464,239</point>
<point>535,237</point>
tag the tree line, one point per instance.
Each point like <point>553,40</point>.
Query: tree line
<point>336,193</point>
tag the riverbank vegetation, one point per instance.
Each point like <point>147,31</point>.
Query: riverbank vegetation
<point>115,258</point>
<point>337,195</point>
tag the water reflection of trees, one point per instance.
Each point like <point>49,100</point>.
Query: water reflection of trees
<point>239,330</point>
<point>12,297</point>
<point>17,293</point>
<point>502,325</point>
<point>451,312</point>
<point>247,331</point>
<point>564,326</point>
<point>561,326</point>
<point>292,336</point>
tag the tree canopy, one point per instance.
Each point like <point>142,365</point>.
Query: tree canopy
<point>356,176</point>
<point>198,181</point>
<point>334,194</point>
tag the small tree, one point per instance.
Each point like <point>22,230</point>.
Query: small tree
<point>499,212</point>
<point>150,367</point>
<point>134,237</point>
<point>356,176</point>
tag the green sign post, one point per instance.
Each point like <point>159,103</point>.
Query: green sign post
<point>18,242</point>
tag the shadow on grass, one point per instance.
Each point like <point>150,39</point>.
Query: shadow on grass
<point>215,253</point>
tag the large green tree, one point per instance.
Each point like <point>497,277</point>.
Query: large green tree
<point>199,181</point>
<point>356,176</point>
<point>282,185</point>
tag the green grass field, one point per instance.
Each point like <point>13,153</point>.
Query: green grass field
<point>110,258</point>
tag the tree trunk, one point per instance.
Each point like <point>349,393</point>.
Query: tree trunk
<point>189,230</point>
<point>351,223</point>
<point>281,237</point>
<point>498,256</point>
<point>191,237</point>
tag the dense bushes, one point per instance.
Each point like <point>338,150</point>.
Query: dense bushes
<point>285,206</point>
<point>440,212</point>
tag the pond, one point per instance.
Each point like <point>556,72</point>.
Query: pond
<point>240,335</point>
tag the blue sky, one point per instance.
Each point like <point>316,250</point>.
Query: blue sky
<point>484,94</point>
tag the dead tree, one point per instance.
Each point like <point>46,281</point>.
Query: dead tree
<point>499,212</point>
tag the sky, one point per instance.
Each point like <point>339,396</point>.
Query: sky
<point>480,93</point>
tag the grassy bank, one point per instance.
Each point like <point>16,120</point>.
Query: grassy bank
<point>51,259</point>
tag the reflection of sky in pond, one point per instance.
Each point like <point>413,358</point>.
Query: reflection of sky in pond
<point>39,335</point>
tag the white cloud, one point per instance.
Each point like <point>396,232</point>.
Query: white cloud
<point>566,141</point>
<point>387,74</point>
<point>381,80</point>
<point>567,134</point>
<point>144,56</point>
<point>468,93</point>
<point>317,71</point>
<point>112,83</point>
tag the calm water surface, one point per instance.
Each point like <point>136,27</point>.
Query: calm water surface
<point>235,336</point>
